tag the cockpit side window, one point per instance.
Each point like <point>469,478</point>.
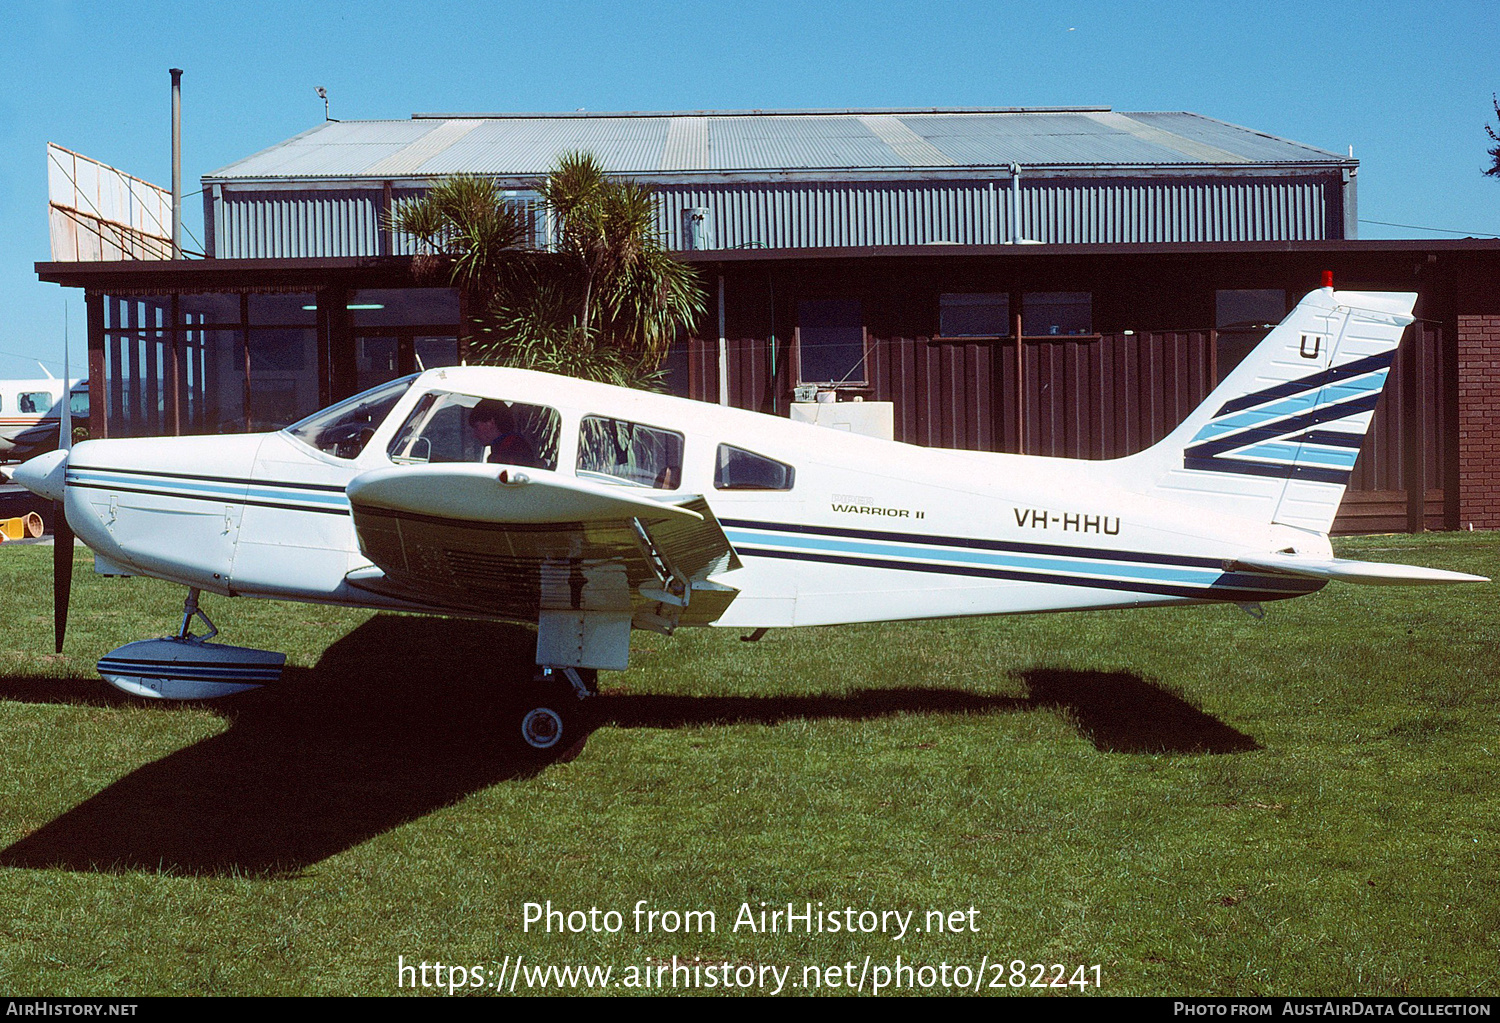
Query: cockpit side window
<point>625,452</point>
<point>738,469</point>
<point>344,429</point>
<point>447,427</point>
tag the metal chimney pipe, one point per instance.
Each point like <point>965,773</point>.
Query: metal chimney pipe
<point>176,162</point>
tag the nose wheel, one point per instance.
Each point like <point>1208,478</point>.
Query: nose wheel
<point>552,721</point>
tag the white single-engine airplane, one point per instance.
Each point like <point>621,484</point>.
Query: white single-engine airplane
<point>589,511</point>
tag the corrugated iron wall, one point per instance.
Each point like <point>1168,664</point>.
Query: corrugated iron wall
<point>1105,210</point>
<point>819,215</point>
<point>253,223</point>
<point>1053,211</point>
<point>296,224</point>
<point>312,223</point>
<point>1063,211</point>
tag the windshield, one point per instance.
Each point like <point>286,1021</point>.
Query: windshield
<point>344,429</point>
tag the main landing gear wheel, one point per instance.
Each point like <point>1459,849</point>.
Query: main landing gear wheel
<point>552,720</point>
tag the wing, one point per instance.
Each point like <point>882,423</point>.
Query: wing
<point>540,547</point>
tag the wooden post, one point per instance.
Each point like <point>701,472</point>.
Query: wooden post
<point>93,304</point>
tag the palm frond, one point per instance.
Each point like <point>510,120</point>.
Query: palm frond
<point>605,304</point>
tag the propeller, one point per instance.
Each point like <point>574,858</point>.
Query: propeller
<point>62,533</point>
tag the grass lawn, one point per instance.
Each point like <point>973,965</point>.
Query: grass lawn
<point>1194,801</point>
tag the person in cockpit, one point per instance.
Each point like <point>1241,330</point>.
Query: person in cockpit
<point>494,426</point>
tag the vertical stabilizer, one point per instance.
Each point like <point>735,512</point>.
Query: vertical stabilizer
<point>1277,439</point>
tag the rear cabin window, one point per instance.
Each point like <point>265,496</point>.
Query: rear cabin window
<point>625,452</point>
<point>448,427</point>
<point>738,469</point>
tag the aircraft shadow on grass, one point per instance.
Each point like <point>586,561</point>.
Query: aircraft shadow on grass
<point>399,719</point>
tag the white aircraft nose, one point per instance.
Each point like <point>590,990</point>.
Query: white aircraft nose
<point>43,475</point>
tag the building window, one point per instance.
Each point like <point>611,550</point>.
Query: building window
<point>282,345</point>
<point>259,361</point>
<point>402,330</point>
<point>984,314</point>
<point>1057,312</point>
<point>1243,318</point>
<point>831,341</point>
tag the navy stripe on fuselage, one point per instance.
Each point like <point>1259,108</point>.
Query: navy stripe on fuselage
<point>928,539</point>
<point>1217,591</point>
<point>215,498</point>
<point>1110,573</point>
<point>295,495</point>
<point>201,478</point>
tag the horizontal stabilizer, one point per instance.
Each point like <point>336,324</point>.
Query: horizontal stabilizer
<point>1369,573</point>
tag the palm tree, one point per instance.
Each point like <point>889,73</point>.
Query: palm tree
<point>605,303</point>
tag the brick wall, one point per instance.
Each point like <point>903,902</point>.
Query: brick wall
<point>1479,420</point>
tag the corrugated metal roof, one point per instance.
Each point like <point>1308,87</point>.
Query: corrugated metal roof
<point>707,142</point>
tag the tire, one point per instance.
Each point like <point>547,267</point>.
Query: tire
<point>544,728</point>
<point>551,723</point>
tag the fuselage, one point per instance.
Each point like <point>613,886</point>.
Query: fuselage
<point>859,529</point>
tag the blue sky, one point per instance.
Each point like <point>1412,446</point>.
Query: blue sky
<point>1408,85</point>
